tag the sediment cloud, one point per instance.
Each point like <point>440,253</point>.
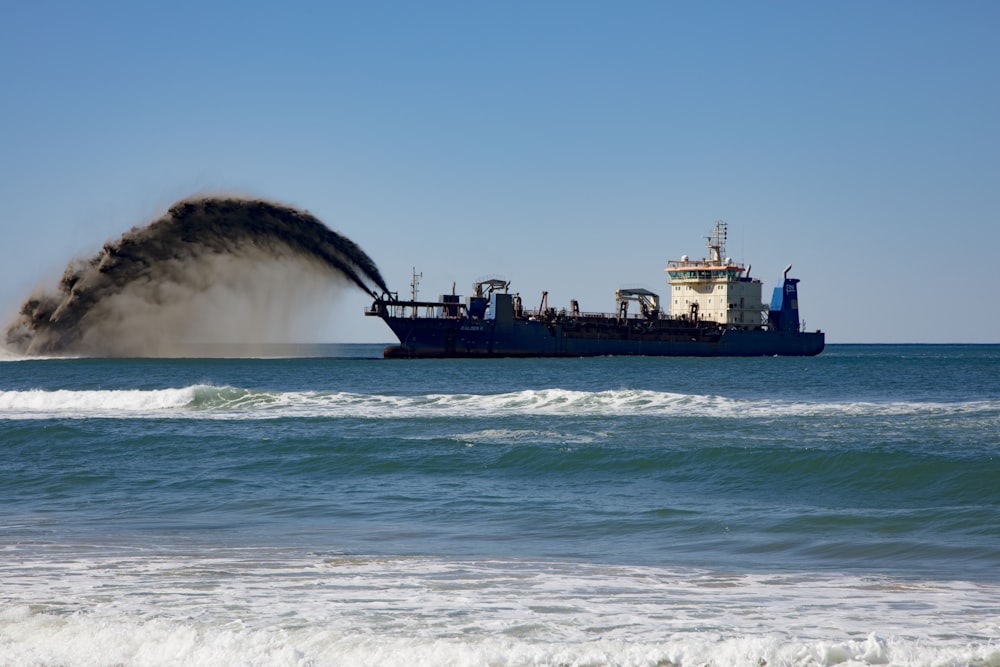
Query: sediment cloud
<point>212,269</point>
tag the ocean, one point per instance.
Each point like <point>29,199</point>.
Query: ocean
<point>341,509</point>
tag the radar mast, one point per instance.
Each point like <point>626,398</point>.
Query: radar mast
<point>717,241</point>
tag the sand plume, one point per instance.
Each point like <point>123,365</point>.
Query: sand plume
<point>211,270</point>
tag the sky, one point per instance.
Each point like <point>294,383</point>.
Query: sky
<point>573,147</point>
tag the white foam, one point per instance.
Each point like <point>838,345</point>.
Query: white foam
<point>286,609</point>
<point>534,436</point>
<point>6,354</point>
<point>210,402</point>
<point>86,403</point>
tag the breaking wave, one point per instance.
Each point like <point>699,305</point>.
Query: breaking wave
<point>214,402</point>
<point>394,611</point>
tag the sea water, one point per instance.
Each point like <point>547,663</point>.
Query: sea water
<point>343,509</point>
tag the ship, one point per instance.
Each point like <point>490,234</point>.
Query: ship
<point>715,309</point>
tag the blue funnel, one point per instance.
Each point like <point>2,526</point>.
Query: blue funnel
<point>785,304</point>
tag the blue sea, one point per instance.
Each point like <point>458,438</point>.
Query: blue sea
<point>324,506</point>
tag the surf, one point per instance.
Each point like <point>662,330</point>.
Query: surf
<point>204,401</point>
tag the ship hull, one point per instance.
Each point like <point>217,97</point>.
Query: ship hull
<point>458,338</point>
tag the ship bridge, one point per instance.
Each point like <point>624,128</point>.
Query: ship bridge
<point>715,288</point>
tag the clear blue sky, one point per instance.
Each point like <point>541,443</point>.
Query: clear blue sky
<point>567,146</point>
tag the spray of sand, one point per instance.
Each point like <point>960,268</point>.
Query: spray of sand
<point>212,270</point>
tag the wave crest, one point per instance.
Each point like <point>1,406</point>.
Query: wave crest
<point>209,401</point>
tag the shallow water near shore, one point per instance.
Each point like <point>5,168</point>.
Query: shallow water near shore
<point>319,505</point>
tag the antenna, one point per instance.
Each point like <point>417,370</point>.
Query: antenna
<point>414,281</point>
<point>717,241</point>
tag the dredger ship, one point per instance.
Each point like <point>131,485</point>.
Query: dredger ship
<point>715,309</point>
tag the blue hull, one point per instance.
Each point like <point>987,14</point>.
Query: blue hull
<point>450,337</point>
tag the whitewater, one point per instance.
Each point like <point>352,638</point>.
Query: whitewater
<point>210,402</point>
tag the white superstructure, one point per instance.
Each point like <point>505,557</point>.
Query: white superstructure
<point>715,288</point>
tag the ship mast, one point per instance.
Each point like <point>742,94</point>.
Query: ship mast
<point>414,281</point>
<point>717,241</point>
